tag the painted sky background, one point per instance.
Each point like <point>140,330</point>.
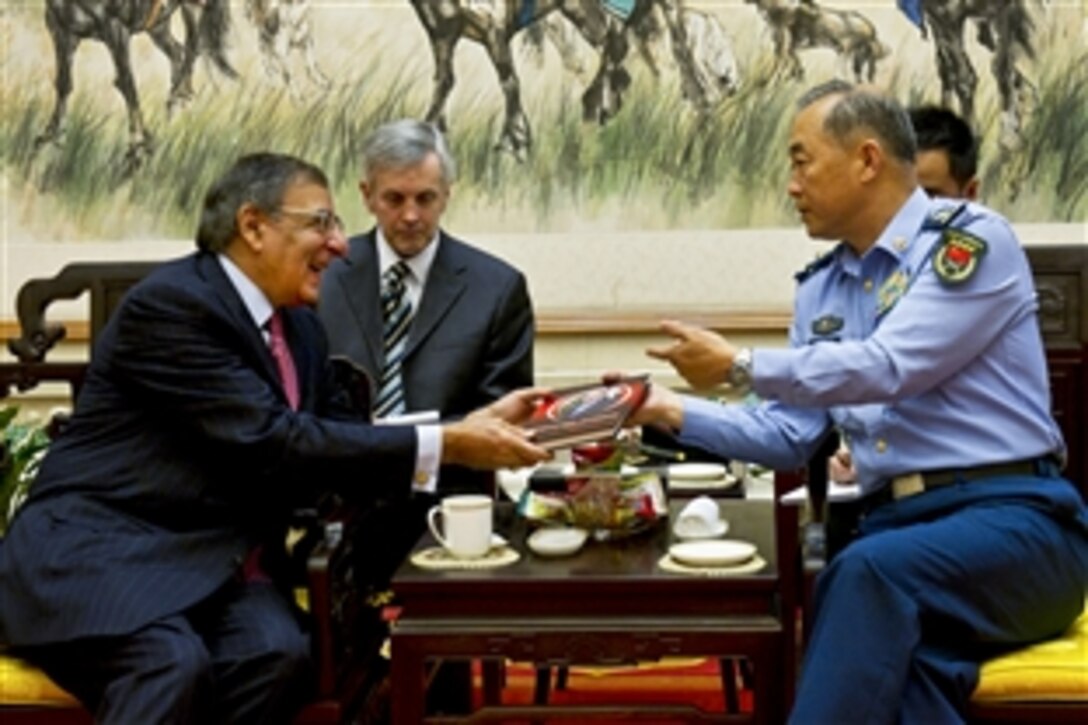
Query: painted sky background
<point>657,165</point>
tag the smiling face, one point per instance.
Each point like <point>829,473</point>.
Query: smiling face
<point>825,174</point>
<point>408,203</point>
<point>291,249</point>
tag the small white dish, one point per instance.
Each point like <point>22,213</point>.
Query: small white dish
<point>718,553</point>
<point>686,532</point>
<point>697,471</point>
<point>625,470</point>
<point>497,541</point>
<point>556,541</point>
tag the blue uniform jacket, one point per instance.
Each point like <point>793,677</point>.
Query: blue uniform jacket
<point>919,372</point>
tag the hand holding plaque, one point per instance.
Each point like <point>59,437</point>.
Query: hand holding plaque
<point>586,413</point>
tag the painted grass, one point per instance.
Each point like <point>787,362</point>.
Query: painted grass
<point>657,165</point>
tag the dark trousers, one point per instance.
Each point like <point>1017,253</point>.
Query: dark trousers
<point>238,657</point>
<point>934,585</point>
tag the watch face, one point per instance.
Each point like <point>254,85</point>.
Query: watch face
<point>741,372</point>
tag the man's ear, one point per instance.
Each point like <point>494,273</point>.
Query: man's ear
<point>970,191</point>
<point>870,156</point>
<point>249,220</point>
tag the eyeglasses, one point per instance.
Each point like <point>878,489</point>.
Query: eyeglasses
<point>322,220</point>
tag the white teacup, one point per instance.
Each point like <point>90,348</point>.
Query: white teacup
<point>466,525</point>
<point>700,518</point>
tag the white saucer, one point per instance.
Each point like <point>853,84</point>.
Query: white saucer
<point>723,552</point>
<point>625,470</point>
<point>697,471</point>
<point>556,541</point>
<point>702,484</point>
<point>717,529</point>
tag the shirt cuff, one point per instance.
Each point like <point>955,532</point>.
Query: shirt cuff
<point>428,457</point>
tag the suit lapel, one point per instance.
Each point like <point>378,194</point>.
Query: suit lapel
<point>360,288</point>
<point>444,286</point>
<point>237,313</point>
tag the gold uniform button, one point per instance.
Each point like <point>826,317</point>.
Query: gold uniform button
<point>881,445</point>
<point>422,478</point>
<point>868,285</point>
<point>900,243</point>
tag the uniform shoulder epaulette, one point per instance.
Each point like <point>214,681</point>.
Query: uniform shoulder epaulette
<point>941,216</point>
<point>815,266</point>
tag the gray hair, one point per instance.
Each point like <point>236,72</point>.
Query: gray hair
<point>863,109</point>
<point>259,179</point>
<point>404,143</point>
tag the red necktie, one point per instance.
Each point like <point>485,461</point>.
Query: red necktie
<point>284,362</point>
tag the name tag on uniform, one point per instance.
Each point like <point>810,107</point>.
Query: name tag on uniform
<point>827,325</point>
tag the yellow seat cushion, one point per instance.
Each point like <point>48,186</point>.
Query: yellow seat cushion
<point>1051,671</point>
<point>23,684</point>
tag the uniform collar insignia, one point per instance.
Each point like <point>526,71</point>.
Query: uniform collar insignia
<point>815,266</point>
<point>958,256</point>
<point>889,293</point>
<point>826,325</point>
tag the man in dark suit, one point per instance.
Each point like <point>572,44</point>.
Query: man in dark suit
<point>468,342</point>
<point>141,574</point>
<point>470,339</point>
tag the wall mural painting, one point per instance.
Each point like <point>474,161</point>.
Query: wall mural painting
<point>614,115</point>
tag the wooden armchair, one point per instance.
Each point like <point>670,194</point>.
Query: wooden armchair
<point>325,586</point>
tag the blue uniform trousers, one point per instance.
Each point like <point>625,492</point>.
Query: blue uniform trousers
<point>937,583</point>
<point>238,657</point>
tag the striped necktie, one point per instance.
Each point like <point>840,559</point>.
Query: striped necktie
<point>397,316</point>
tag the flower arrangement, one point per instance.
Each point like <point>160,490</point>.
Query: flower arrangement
<point>22,447</point>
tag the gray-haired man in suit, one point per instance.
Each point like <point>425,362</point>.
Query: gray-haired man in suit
<point>469,333</point>
<point>462,338</point>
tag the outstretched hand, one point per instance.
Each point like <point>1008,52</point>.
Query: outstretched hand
<point>702,357</point>
<point>489,442</point>
<point>662,407</point>
<point>515,407</point>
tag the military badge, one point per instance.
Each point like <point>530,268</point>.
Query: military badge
<point>890,292</point>
<point>826,325</point>
<point>958,256</point>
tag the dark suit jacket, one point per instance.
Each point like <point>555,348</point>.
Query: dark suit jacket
<point>471,341</point>
<point>181,455</point>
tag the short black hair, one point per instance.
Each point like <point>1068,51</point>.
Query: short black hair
<point>938,128</point>
<point>260,179</point>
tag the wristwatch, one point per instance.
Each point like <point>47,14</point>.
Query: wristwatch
<point>740,375</point>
